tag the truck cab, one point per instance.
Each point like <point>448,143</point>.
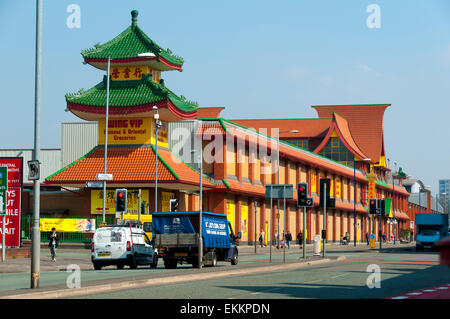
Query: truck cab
<point>431,228</point>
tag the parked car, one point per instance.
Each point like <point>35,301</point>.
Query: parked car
<point>122,245</point>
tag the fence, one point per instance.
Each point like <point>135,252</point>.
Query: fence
<point>65,237</point>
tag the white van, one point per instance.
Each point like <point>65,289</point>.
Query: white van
<point>122,245</point>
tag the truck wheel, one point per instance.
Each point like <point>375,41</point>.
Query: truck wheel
<point>133,264</point>
<point>154,264</point>
<point>234,259</point>
<point>97,266</point>
<point>120,266</point>
<point>214,260</point>
<point>170,264</point>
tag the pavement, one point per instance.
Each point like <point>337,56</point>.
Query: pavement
<point>79,254</point>
<point>103,281</point>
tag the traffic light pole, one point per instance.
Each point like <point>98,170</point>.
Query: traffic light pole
<point>324,216</point>
<point>304,229</point>
<point>381,226</point>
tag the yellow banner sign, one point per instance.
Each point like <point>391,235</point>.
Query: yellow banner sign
<point>125,131</point>
<point>338,188</point>
<point>163,135</point>
<point>371,178</point>
<point>165,202</point>
<point>129,72</point>
<point>69,225</point>
<point>313,181</point>
<point>110,201</point>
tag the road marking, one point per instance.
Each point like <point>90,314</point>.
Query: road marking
<point>339,276</point>
<point>442,288</point>
<point>429,290</point>
<point>400,297</point>
<point>415,293</point>
<point>309,282</point>
<point>392,262</point>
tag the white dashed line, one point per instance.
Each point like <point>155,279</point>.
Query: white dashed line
<point>429,290</point>
<point>400,297</point>
<point>415,293</point>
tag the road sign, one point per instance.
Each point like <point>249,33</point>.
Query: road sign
<point>94,184</point>
<point>105,177</point>
<point>279,191</point>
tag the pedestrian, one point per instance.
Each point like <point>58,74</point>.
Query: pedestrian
<point>261,239</point>
<point>53,242</point>
<point>384,237</point>
<point>276,240</point>
<point>347,236</point>
<point>367,238</point>
<point>300,239</point>
<point>288,239</point>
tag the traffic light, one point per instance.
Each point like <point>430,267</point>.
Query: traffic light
<point>121,200</point>
<point>381,206</point>
<point>302,196</point>
<point>174,205</point>
<point>325,195</point>
<point>372,206</point>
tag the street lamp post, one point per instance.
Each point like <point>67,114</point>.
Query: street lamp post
<point>36,245</point>
<point>393,203</point>
<point>106,138</point>
<point>157,125</point>
<point>354,198</point>
<point>200,240</point>
<point>278,182</point>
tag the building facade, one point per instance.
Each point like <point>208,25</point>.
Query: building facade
<point>160,155</point>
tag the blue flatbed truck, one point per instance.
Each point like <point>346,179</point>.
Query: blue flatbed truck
<point>176,237</point>
<point>430,229</point>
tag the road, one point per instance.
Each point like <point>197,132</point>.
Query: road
<point>402,270</point>
<point>399,273</point>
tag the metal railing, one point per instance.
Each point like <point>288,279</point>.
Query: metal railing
<point>65,237</point>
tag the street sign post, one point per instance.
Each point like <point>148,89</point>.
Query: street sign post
<point>104,177</point>
<point>278,191</point>
<point>94,184</point>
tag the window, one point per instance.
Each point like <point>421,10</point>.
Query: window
<point>337,151</point>
<point>301,143</point>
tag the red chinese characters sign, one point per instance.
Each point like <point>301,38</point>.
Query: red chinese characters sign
<point>124,73</point>
<point>13,200</point>
<point>15,165</point>
<point>12,218</point>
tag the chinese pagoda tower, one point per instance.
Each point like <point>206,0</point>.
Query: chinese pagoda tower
<point>135,88</point>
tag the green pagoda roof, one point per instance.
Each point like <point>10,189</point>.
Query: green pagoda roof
<point>127,97</point>
<point>129,47</point>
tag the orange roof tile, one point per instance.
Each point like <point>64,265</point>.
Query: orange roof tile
<point>339,124</point>
<point>209,112</point>
<point>306,127</point>
<point>128,164</point>
<point>365,123</point>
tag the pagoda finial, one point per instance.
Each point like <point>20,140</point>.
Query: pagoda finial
<point>134,15</point>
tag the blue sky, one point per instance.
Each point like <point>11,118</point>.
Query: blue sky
<point>259,59</point>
